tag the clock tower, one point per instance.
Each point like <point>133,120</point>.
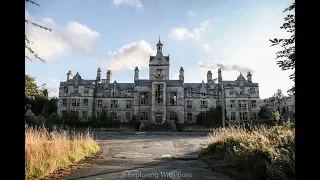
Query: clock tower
<point>159,65</point>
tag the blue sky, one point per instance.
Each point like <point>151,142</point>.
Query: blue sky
<point>199,35</point>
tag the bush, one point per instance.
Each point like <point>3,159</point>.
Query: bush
<point>264,153</point>
<point>31,120</point>
<point>265,113</point>
<point>211,118</point>
<point>135,123</point>
<point>53,119</point>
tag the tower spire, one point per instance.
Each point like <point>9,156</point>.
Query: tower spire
<point>159,47</point>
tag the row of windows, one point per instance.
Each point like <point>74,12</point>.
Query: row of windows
<point>203,104</point>
<point>75,102</point>
<point>114,104</point>
<point>242,104</point>
<point>172,115</point>
<point>76,90</point>
<point>114,115</point>
<point>242,91</point>
<point>86,91</point>
<point>159,92</point>
<point>244,116</point>
<point>84,114</point>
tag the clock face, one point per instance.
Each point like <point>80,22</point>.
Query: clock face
<point>159,75</point>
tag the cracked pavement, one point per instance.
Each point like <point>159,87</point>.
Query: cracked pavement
<point>148,157</point>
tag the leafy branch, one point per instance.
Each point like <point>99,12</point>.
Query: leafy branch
<point>287,55</point>
<point>27,41</point>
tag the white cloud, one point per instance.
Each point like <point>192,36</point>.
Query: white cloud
<point>190,14</point>
<point>111,53</point>
<point>225,67</point>
<point>129,56</point>
<point>206,47</point>
<point>136,3</point>
<point>75,37</point>
<point>182,33</point>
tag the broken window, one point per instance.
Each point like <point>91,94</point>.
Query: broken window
<point>243,115</point>
<point>64,102</point>
<point>253,103</point>
<point>189,116</point>
<point>189,104</point>
<point>173,99</point>
<point>113,115</point>
<point>85,102</point>
<point>232,103</point>
<point>144,98</point>
<point>233,116</point>
<point>73,102</point>
<point>84,114</point>
<point>114,103</point>
<point>99,104</point>
<point>242,104</point>
<point>128,104</point>
<point>173,116</point>
<point>159,95</point>
<point>86,90</point>
<point>204,104</point>
<point>144,115</point>
<point>65,89</point>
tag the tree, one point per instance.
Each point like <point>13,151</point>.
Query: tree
<point>278,98</point>
<point>287,55</point>
<point>27,41</point>
<point>31,87</point>
<point>284,111</point>
<point>265,113</point>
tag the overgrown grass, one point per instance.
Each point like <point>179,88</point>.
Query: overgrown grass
<point>260,153</point>
<point>48,151</point>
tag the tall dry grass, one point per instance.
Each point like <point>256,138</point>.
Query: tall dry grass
<point>47,151</point>
<point>260,153</point>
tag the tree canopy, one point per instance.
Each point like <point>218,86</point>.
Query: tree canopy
<point>286,56</point>
<point>31,87</point>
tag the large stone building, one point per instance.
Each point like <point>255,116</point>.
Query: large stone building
<point>158,98</point>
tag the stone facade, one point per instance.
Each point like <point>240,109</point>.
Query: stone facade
<point>158,98</point>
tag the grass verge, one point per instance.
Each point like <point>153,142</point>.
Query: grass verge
<point>47,151</point>
<point>260,153</point>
